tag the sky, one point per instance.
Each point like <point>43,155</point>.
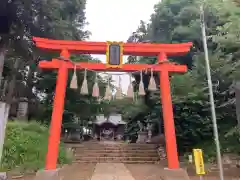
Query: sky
<point>115,20</point>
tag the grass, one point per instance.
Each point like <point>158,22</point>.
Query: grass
<point>25,147</point>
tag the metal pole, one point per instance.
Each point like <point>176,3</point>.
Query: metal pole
<point>214,121</point>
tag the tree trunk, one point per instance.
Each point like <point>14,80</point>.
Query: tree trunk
<point>30,84</point>
<point>2,59</point>
<point>12,83</point>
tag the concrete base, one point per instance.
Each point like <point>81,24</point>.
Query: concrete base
<point>48,175</point>
<point>175,174</point>
<point>142,137</point>
<point>3,176</point>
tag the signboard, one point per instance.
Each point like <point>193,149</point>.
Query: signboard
<point>198,159</point>
<point>114,54</point>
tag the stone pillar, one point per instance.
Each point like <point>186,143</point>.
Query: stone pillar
<point>149,129</point>
<point>142,137</point>
<point>237,94</point>
<point>48,175</point>
<point>3,176</point>
<point>22,111</point>
<point>4,111</point>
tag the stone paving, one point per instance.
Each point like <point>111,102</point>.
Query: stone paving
<point>111,171</point>
<point>78,172</point>
<point>145,171</point>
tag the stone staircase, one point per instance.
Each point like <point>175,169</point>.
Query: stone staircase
<point>96,152</point>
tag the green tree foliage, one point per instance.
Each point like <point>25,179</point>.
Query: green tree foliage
<point>55,19</point>
<point>179,21</point>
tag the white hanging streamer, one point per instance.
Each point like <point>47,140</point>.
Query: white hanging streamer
<point>141,90</point>
<point>73,83</point>
<point>152,84</point>
<point>84,89</point>
<point>95,91</point>
<point>130,93</point>
<point>108,93</point>
<point>119,89</point>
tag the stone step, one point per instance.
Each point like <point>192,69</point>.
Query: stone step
<point>133,151</point>
<point>117,154</point>
<point>114,148</point>
<point>116,159</point>
<point>121,145</point>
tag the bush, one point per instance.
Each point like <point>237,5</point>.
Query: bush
<point>25,147</point>
<point>229,143</point>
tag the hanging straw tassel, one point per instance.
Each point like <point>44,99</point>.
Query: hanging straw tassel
<point>146,71</point>
<point>119,90</point>
<point>108,93</point>
<point>95,92</point>
<point>84,89</point>
<point>130,93</point>
<point>152,84</point>
<point>141,90</point>
<point>73,83</point>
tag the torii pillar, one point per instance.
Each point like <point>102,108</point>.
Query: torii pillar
<point>136,49</point>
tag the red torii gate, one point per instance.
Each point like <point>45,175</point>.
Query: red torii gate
<point>136,49</point>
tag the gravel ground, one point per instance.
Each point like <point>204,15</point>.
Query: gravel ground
<point>138,171</point>
<point>70,172</point>
<point>153,172</point>
<point>145,171</point>
<point>78,172</point>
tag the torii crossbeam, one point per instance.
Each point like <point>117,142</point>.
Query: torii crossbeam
<point>136,49</point>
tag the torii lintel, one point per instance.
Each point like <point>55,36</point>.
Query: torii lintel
<point>135,49</point>
<point>170,67</point>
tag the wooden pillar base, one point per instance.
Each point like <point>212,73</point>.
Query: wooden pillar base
<point>48,175</point>
<point>175,174</point>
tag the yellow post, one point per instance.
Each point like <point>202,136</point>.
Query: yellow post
<point>199,164</point>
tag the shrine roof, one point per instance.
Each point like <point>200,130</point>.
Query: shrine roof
<point>115,119</point>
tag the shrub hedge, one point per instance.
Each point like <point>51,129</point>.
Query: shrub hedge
<point>25,147</point>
